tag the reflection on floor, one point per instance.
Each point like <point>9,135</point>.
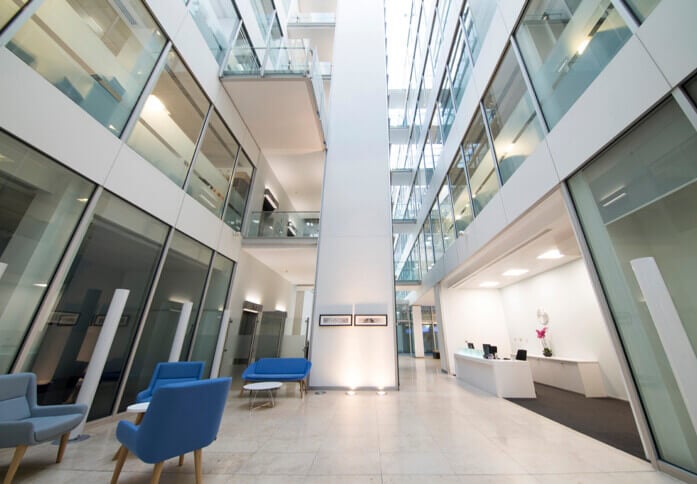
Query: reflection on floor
<point>606,419</point>
<point>432,431</point>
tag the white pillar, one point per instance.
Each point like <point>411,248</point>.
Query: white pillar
<point>95,368</point>
<point>418,330</point>
<point>179,335</point>
<point>670,329</point>
<point>222,336</point>
<point>354,260</point>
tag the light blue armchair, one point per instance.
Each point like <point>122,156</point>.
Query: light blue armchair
<point>181,418</point>
<point>166,373</point>
<point>24,423</point>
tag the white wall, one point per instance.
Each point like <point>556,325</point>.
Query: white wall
<point>256,283</point>
<point>476,316</point>
<point>354,263</point>
<point>576,326</point>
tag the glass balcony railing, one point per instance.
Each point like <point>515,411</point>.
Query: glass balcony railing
<point>312,18</point>
<point>283,225</point>
<point>289,57</point>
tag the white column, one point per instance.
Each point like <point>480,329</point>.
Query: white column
<point>670,329</point>
<point>179,335</point>
<point>354,260</point>
<point>95,368</point>
<point>222,336</point>
<point>442,327</point>
<point>417,324</point>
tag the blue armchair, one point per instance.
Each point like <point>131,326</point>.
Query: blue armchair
<point>24,423</point>
<point>181,418</point>
<point>171,372</point>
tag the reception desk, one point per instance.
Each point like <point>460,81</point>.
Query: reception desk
<point>503,378</point>
<point>580,376</point>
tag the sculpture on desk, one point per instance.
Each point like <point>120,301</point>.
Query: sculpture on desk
<point>543,319</point>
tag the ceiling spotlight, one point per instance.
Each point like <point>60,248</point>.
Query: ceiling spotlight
<point>515,272</point>
<point>489,284</point>
<point>551,254</point>
<point>350,393</point>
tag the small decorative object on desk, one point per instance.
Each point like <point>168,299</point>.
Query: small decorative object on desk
<point>543,319</point>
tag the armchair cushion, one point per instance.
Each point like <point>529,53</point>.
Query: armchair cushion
<point>46,428</point>
<point>167,373</point>
<point>277,369</point>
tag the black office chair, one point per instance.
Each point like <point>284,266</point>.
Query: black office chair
<point>521,355</point>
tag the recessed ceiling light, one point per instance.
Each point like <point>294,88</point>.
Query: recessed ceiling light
<point>40,284</point>
<point>515,272</point>
<point>489,284</point>
<point>82,200</point>
<point>350,393</point>
<point>551,254</point>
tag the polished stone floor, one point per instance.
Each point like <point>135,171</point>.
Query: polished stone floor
<point>432,431</point>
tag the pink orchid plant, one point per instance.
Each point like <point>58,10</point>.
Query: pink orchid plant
<point>542,336</point>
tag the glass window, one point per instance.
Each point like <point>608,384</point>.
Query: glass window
<point>8,9</point>
<point>428,243</point>
<point>436,232</point>
<point>460,194</point>
<point>171,121</point>
<point>40,205</point>
<point>423,261</point>
<point>217,20</point>
<point>447,218</point>
<point>92,53</point>
<point>481,171</point>
<point>446,107</point>
<point>436,36</point>
<point>459,66</point>
<point>477,18</point>
<point>636,204</point>
<point>180,285</point>
<point>514,125</point>
<point>212,312</point>
<point>120,250</point>
<point>565,45</point>
<point>691,88</point>
<point>642,8</point>
<point>213,167</point>
<point>241,184</point>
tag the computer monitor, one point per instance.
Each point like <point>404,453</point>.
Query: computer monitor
<point>487,350</point>
<point>521,355</point>
<point>493,349</point>
<point>470,346</point>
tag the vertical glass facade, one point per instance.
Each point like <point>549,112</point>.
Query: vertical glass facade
<point>212,312</point>
<point>481,169</point>
<point>565,45</point>
<point>171,120</point>
<point>511,115</point>
<point>241,184</point>
<point>477,18</point>
<point>642,8</point>
<point>460,194</point>
<point>447,218</point>
<point>119,251</point>
<point>212,170</point>
<point>8,9</point>
<point>41,203</point>
<point>181,282</point>
<point>89,52</point>
<point>635,203</point>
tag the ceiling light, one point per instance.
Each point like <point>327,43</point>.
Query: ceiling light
<point>489,284</point>
<point>515,272</point>
<point>551,254</point>
<point>154,106</point>
<point>82,200</point>
<point>381,392</point>
<point>40,284</point>
<point>350,393</point>
<point>582,46</point>
<point>614,199</point>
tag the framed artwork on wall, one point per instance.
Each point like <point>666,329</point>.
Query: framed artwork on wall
<point>335,319</point>
<point>371,319</point>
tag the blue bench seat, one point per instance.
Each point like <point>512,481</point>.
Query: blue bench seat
<point>279,369</point>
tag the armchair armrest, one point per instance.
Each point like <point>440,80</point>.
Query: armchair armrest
<point>16,433</point>
<point>127,434</point>
<point>144,396</point>
<point>53,410</point>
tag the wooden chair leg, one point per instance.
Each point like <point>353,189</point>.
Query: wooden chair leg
<point>122,454</point>
<point>198,454</point>
<point>181,460</point>
<point>156,473</point>
<point>14,465</point>
<point>61,447</point>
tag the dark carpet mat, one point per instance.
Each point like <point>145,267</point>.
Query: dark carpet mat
<point>606,419</point>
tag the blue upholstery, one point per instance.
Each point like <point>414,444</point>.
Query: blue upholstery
<point>279,369</point>
<point>23,422</point>
<point>169,373</point>
<point>181,418</point>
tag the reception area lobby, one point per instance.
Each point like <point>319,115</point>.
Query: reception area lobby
<point>435,430</point>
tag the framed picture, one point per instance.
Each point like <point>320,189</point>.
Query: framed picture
<point>67,319</point>
<point>99,320</point>
<point>371,319</point>
<point>335,319</point>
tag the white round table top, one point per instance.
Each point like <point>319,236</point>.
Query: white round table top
<point>263,385</point>
<point>138,407</point>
